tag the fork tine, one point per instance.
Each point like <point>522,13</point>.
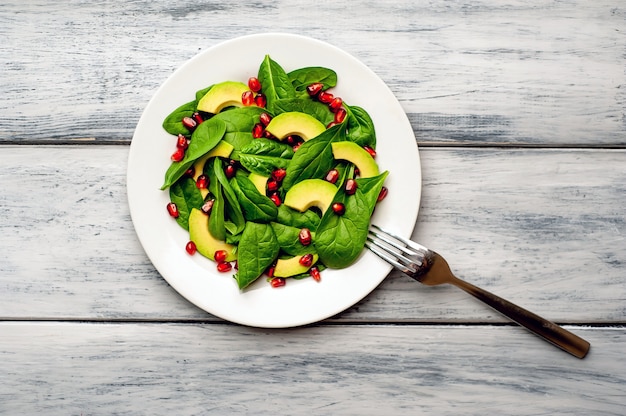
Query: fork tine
<point>410,243</point>
<point>386,257</point>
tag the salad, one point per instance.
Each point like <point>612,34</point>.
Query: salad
<point>276,176</point>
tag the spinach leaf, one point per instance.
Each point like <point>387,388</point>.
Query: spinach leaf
<point>288,240</point>
<point>314,157</point>
<point>339,239</point>
<point>291,217</point>
<point>360,126</point>
<point>205,137</point>
<point>263,156</point>
<point>186,196</point>
<point>239,119</point>
<point>258,248</point>
<point>238,139</point>
<point>275,82</point>
<point>201,93</point>
<point>256,207</point>
<point>173,123</point>
<point>232,208</point>
<point>314,108</point>
<point>303,77</point>
<point>217,225</point>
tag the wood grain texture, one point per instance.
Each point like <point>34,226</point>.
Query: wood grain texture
<point>543,228</point>
<point>545,73</point>
<point>164,369</point>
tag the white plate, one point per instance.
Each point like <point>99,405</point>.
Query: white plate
<point>300,302</point>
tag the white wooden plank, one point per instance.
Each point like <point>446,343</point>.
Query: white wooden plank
<point>138,369</point>
<point>504,72</point>
<point>544,229</point>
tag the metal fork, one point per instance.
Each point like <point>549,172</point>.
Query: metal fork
<point>431,269</point>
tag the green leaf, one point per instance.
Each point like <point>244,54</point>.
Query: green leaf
<point>360,126</point>
<point>275,82</point>
<point>173,123</point>
<point>263,156</point>
<point>340,239</point>
<point>239,119</point>
<point>314,108</point>
<point>186,196</point>
<point>238,140</point>
<point>201,93</point>
<point>293,218</point>
<point>258,248</point>
<point>256,207</point>
<point>303,77</point>
<point>232,208</point>
<point>204,138</point>
<point>314,157</point>
<point>217,220</point>
<point>289,241</point>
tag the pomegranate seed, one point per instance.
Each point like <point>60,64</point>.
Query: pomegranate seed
<point>325,97</point>
<point>198,118</point>
<point>339,208</point>
<point>335,104</point>
<point>331,124</point>
<point>340,115</point>
<point>190,171</point>
<point>306,260</point>
<point>270,271</point>
<point>224,267</point>
<point>172,209</point>
<point>178,155</point>
<point>272,185</point>
<point>305,236</point>
<point>182,142</point>
<point>202,182</point>
<point>314,89</point>
<point>296,146</point>
<point>276,199</point>
<point>357,172</point>
<point>260,100</point>
<point>265,118</point>
<point>315,273</point>
<point>383,193</point>
<point>254,84</point>
<point>191,248</point>
<point>269,135</point>
<point>189,123</point>
<point>208,206</point>
<point>291,140</point>
<point>258,131</point>
<point>278,282</point>
<point>220,256</point>
<point>351,186</point>
<point>247,98</point>
<point>279,174</point>
<point>370,150</point>
<point>332,176</point>
<point>230,171</point>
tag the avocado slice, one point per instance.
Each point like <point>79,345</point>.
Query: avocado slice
<point>295,123</point>
<point>355,154</point>
<point>222,149</point>
<point>222,95</point>
<point>311,193</point>
<point>291,266</point>
<point>206,244</point>
<point>259,181</point>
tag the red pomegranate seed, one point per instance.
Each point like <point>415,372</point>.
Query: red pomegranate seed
<point>331,124</point>
<point>370,150</point>
<point>314,89</point>
<point>172,209</point>
<point>291,140</point>
<point>190,171</point>
<point>325,97</point>
<point>230,171</point>
<point>339,208</point>
<point>305,236</point>
<point>279,174</point>
<point>383,193</point>
<point>202,182</point>
<point>208,206</point>
<point>220,256</point>
<point>189,123</point>
<point>351,186</point>
<point>315,273</point>
<point>260,100</point>
<point>224,267</point>
<point>198,118</point>
<point>296,146</point>
<point>335,104</point>
<point>340,115</point>
<point>247,98</point>
<point>258,131</point>
<point>278,282</point>
<point>254,84</point>
<point>306,260</point>
<point>276,199</point>
<point>270,271</point>
<point>332,176</point>
<point>191,248</point>
<point>178,155</point>
<point>182,142</point>
<point>265,119</point>
<point>272,185</point>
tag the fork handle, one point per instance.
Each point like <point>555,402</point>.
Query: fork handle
<point>550,331</point>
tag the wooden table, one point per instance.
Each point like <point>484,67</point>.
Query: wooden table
<point>519,112</point>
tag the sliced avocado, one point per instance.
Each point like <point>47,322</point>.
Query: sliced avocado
<point>291,266</point>
<point>259,181</point>
<point>355,154</point>
<point>222,149</point>
<point>310,193</point>
<point>206,244</point>
<point>295,123</point>
<point>222,95</point>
